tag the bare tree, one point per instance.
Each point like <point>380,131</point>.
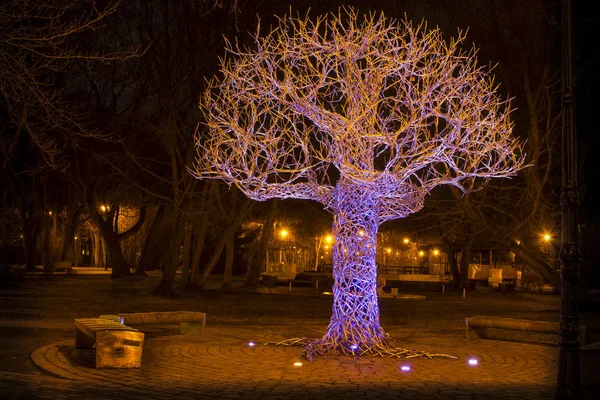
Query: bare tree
<point>365,115</point>
<point>34,51</point>
<point>151,100</point>
<point>516,213</point>
<point>37,120</point>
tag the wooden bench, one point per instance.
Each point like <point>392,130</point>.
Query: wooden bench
<point>63,266</point>
<point>117,345</point>
<point>37,274</point>
<point>477,327</point>
<point>57,268</point>
<point>190,322</point>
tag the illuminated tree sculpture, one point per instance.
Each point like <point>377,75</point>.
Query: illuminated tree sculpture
<point>365,115</point>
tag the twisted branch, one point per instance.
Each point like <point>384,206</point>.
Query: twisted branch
<point>365,115</point>
<point>380,102</point>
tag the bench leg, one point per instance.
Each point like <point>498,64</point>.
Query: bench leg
<point>191,328</point>
<point>83,341</point>
<point>119,349</point>
<point>476,333</point>
<point>479,333</point>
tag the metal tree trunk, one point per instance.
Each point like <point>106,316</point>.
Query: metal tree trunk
<point>354,326</point>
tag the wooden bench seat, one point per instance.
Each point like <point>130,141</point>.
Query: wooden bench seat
<point>117,345</point>
<point>477,327</point>
<point>190,322</point>
<point>63,266</point>
<point>300,282</point>
<point>37,275</point>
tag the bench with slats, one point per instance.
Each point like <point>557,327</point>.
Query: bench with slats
<point>117,345</point>
<point>190,322</point>
<point>66,266</point>
<point>477,327</point>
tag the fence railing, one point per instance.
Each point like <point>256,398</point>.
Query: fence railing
<point>386,270</point>
<point>402,270</point>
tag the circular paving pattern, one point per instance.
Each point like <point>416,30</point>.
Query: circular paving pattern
<point>221,364</point>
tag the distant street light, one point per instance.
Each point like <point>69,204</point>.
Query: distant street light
<point>406,240</point>
<point>547,237</point>
<point>328,238</point>
<point>283,233</point>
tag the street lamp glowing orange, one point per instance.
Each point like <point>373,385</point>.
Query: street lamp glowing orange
<point>103,208</point>
<point>283,233</point>
<point>547,237</point>
<point>436,252</point>
<point>421,253</point>
<point>388,250</point>
<point>406,240</point>
<point>328,238</point>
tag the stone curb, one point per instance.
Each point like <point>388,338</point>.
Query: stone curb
<point>40,361</point>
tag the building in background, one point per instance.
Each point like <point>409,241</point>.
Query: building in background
<point>400,258</point>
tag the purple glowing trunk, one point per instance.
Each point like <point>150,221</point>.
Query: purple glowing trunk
<point>354,327</point>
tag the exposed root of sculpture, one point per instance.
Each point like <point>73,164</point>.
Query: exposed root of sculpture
<point>385,348</point>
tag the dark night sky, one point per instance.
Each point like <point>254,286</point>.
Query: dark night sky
<point>587,65</point>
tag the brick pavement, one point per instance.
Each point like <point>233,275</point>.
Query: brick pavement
<point>39,315</point>
<point>221,365</point>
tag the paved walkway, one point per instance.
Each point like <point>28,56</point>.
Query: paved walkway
<point>221,365</point>
<point>38,361</point>
<point>91,271</point>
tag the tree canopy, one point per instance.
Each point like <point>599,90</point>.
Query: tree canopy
<point>384,104</point>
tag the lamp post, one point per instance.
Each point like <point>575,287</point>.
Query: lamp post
<point>75,251</point>
<point>381,245</point>
<point>406,242</point>
<point>568,384</point>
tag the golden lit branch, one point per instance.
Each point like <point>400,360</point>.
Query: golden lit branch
<point>366,115</point>
<point>385,103</point>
